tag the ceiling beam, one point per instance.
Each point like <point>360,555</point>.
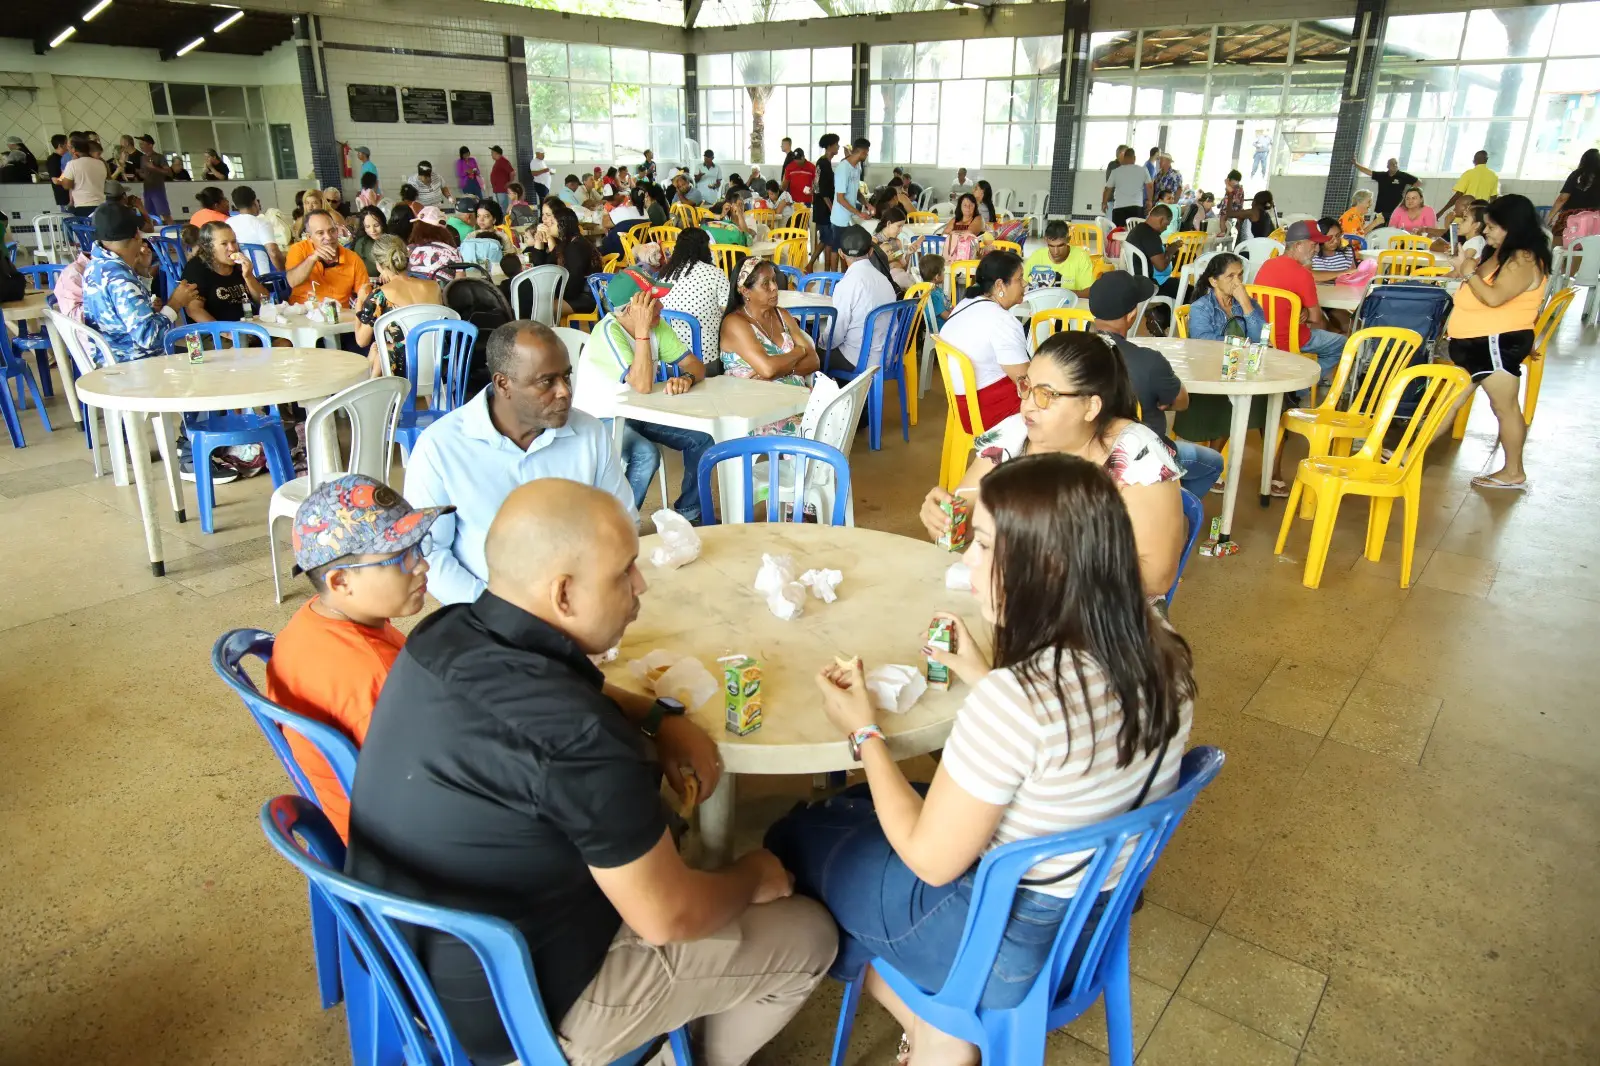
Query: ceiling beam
<point>691,11</point>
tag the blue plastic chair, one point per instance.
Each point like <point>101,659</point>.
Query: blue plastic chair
<point>796,276</point>
<point>1194,516</point>
<point>932,244</point>
<point>818,322</point>
<point>16,374</point>
<point>81,232</point>
<point>452,362</point>
<point>893,322</point>
<point>597,283</point>
<point>773,449</point>
<point>693,323</point>
<point>228,656</point>
<point>208,432</point>
<point>276,281</point>
<point>168,253</point>
<point>1017,1036</point>
<point>8,413</point>
<point>824,280</point>
<point>11,251</point>
<point>41,276</point>
<point>376,924</point>
<point>1355,241</point>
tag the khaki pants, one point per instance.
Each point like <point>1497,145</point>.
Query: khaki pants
<point>746,980</point>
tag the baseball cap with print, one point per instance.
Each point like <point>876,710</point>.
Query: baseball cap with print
<point>1305,231</point>
<point>625,284</point>
<point>357,515</point>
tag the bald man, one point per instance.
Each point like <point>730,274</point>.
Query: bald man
<point>502,774</point>
<point>521,427</point>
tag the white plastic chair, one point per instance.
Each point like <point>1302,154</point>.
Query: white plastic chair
<point>1586,250</point>
<point>1046,299</point>
<point>1254,252</point>
<point>832,421</point>
<point>1189,277</point>
<point>50,238</point>
<point>1036,211</point>
<point>1138,321</point>
<point>925,201</point>
<point>537,292</point>
<point>1378,239</point>
<point>594,393</point>
<point>944,209</point>
<point>372,408</point>
<point>1134,261</point>
<point>408,318</point>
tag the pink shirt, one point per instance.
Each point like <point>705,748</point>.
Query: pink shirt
<point>1424,219</point>
<point>68,289</point>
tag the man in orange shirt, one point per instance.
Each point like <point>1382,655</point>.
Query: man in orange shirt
<point>361,545</point>
<point>321,261</point>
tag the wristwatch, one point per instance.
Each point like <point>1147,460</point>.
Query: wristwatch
<point>662,708</point>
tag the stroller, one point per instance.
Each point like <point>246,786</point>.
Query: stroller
<point>479,302</point>
<point>1420,306</point>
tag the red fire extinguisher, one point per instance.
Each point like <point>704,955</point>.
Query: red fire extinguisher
<point>344,159</point>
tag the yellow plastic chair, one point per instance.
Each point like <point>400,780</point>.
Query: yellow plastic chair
<point>922,293</point>
<point>1088,236</point>
<point>792,252</point>
<point>611,263</point>
<point>764,215</point>
<point>663,235</point>
<point>917,218</point>
<point>801,218</point>
<point>1006,246</point>
<point>1279,305</point>
<point>1057,319</point>
<point>1280,235</point>
<point>630,244</point>
<point>1532,367</point>
<point>1410,242</point>
<point>683,215</point>
<point>1102,266</point>
<point>1403,263</point>
<point>788,233</point>
<point>1329,428</point>
<point>704,214</point>
<point>1180,320</point>
<point>728,257</point>
<point>1431,272</point>
<point>1331,478</point>
<point>1193,242</point>
<point>957,441</point>
<point>588,320</point>
<point>960,274</point>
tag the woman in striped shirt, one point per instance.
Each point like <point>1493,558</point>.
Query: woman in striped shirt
<point>1082,714</point>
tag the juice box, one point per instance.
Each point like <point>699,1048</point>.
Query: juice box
<point>1230,363</point>
<point>741,686</point>
<point>191,345</point>
<point>958,509</point>
<point>942,635</point>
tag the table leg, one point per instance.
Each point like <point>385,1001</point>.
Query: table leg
<point>1238,432</point>
<point>1269,445</point>
<point>69,388</point>
<point>117,445</point>
<point>167,426</point>
<point>133,423</point>
<point>716,823</point>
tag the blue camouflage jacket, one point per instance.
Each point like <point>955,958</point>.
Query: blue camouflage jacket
<point>116,302</point>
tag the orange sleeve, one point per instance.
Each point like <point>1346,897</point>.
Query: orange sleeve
<point>295,255</point>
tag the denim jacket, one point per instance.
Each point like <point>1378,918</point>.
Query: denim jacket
<point>1207,319</point>
<point>117,303</point>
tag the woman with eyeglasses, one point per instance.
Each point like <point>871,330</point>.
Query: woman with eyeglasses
<point>1077,399</point>
<point>1081,714</point>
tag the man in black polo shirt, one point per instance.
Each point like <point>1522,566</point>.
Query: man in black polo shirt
<point>822,205</point>
<point>501,774</point>
<point>1392,185</point>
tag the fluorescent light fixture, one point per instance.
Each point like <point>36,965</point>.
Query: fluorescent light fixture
<point>225,23</point>
<point>88,16</point>
<point>63,35</point>
<point>191,46</point>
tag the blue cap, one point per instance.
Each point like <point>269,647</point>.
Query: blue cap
<point>357,515</point>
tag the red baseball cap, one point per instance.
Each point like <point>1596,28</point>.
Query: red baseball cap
<point>1305,231</point>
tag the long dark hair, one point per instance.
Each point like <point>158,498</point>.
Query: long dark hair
<point>209,197</point>
<point>1588,171</point>
<point>1216,266</point>
<point>961,215</point>
<point>993,269</point>
<point>493,207</point>
<point>1094,366</point>
<point>359,223</point>
<point>1067,587</point>
<point>694,246</point>
<point>401,218</point>
<point>573,244</point>
<point>1517,216</point>
<point>735,296</point>
<point>988,202</point>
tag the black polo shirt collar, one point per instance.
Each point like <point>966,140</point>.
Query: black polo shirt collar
<point>529,632</point>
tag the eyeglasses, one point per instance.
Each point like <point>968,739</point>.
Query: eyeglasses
<point>1043,395</point>
<point>408,561</point>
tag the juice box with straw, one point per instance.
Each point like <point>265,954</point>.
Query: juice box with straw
<point>741,686</point>
<point>958,510</point>
<point>941,635</point>
<point>193,349</point>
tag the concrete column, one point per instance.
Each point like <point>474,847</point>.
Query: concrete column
<point>860,86</point>
<point>1072,95</point>
<point>1355,101</point>
<point>314,92</point>
<point>691,107</point>
<point>521,115</point>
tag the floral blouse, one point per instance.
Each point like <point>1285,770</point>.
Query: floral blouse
<point>736,365</point>
<point>370,311</point>
<point>1138,456</point>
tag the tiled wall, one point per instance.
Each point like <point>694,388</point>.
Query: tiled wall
<point>285,105</point>
<point>396,147</point>
<point>109,106</point>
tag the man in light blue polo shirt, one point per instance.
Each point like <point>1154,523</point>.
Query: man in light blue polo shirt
<point>847,185</point>
<point>520,428</point>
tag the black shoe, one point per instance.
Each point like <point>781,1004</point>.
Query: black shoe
<point>221,472</point>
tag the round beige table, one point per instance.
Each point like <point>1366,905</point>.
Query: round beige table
<point>891,587</point>
<point>1198,365</point>
<point>31,308</point>
<point>301,332</point>
<point>791,298</point>
<point>228,380</point>
<point>1335,297</point>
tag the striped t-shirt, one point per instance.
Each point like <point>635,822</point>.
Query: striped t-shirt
<point>1022,750</point>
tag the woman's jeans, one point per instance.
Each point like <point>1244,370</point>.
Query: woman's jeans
<point>840,856</point>
<point>640,459</point>
<point>1202,466</point>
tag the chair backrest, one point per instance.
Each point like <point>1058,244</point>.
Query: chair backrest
<point>1047,299</point>
<point>1006,246</point>
<point>1138,321</point>
<point>485,251</point>
<point>917,218</point>
<point>1442,386</point>
<point>695,342</point>
<point>212,335</point>
<point>1088,236</point>
<point>1134,261</point>
<point>954,365</point>
<point>89,350</point>
<point>1280,235</point>
<point>574,339</point>
<point>50,236</point>
<point>1189,250</point>
<point>260,261</point>
<point>794,276</point>
<point>453,342</point>
<point>1254,252</point>
<point>1586,250</point>
<point>1132,842</point>
<point>745,450</point>
<point>683,215</point>
<point>925,201</point>
<point>537,291</point>
<point>765,216</point>
<point>81,232</point>
<point>1056,319</point>
<point>1555,309</point>
<point>597,283</point>
<point>227,659</point>
<point>380,926</point>
<point>373,409</point>
<point>1379,238</point>
<point>959,276</point>
<point>791,252</point>
<point>728,257</point>
<point>1402,262</point>
<point>1355,240</point>
<point>944,209</point>
<point>818,322</point>
<point>610,263</point>
<point>1410,242</point>
<point>1180,320</point>
<point>405,318</point>
<point>1386,350</point>
<point>887,332</point>
<point>1279,305</point>
<point>1194,516</point>
<point>630,245</point>
<point>1189,277</point>
<point>801,219</point>
<point>836,423</point>
<point>168,252</point>
<point>824,280</point>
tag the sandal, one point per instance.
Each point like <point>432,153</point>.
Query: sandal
<point>1280,489</point>
<point>1489,481</point>
<point>902,1054</point>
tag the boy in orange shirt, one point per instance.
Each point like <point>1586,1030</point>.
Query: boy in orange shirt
<point>361,545</point>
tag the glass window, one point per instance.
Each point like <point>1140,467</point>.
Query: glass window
<point>889,61</point>
<point>1567,119</point>
<point>1174,92</point>
<point>792,67</point>
<point>188,99</point>
<point>666,68</point>
<point>775,94</point>
<point>1314,91</point>
<point>1184,46</point>
<point>1576,31</point>
<point>988,56</point>
<point>590,62</point>
<point>1306,146</point>
<point>1039,55</point>
<point>939,59</point>
<point>227,101</point>
<point>546,59</point>
<point>1239,92</point>
<point>158,98</point>
<point>629,65</point>
<point>1111,51</point>
<point>1424,36</point>
<point>579,113</point>
<point>1510,31</point>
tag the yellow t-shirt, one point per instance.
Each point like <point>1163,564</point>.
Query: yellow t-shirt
<point>1479,183</point>
<point>1076,272</point>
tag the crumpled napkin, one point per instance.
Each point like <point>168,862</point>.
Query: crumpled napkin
<point>786,597</point>
<point>822,583</point>
<point>959,576</point>
<point>681,677</point>
<point>895,688</point>
<point>680,544</point>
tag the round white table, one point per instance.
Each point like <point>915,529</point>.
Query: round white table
<point>1198,365</point>
<point>228,380</point>
<point>302,333</point>
<point>791,298</point>
<point>892,586</point>
<point>1336,297</point>
<point>31,308</point>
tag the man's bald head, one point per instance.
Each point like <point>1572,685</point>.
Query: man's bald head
<point>565,552</point>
